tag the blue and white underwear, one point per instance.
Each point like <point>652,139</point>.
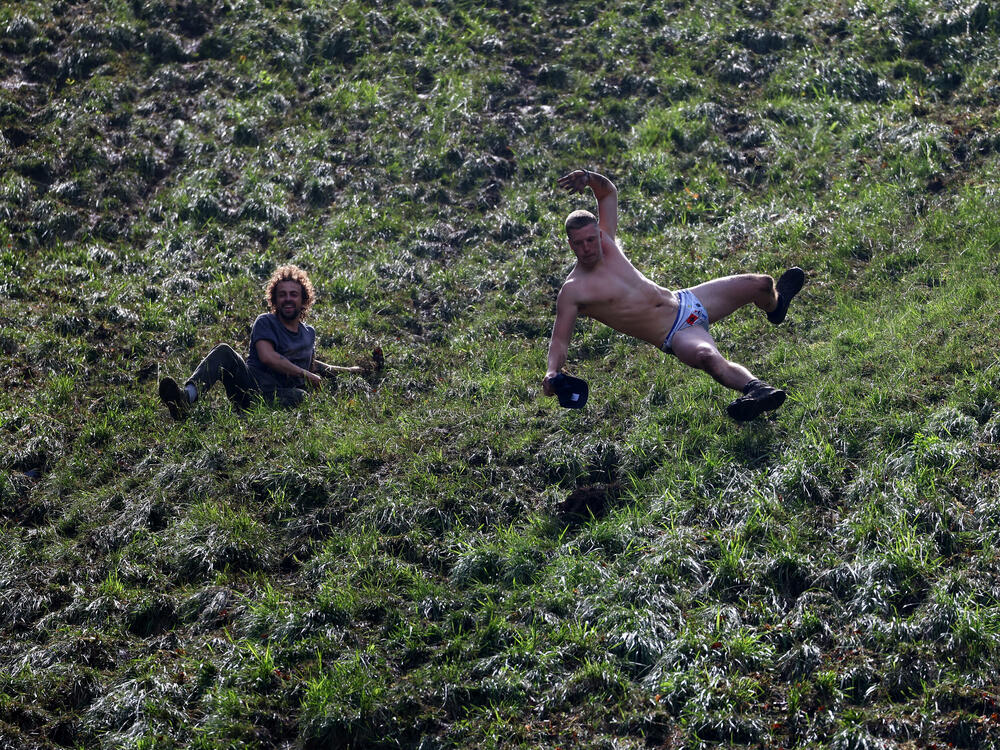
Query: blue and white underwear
<point>690,312</point>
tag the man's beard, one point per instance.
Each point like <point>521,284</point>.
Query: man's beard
<point>297,311</point>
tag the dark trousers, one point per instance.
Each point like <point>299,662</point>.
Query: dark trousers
<point>223,363</point>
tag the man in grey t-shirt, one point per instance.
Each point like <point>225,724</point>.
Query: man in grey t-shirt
<point>282,357</point>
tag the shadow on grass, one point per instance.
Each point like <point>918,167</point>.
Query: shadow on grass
<point>591,501</point>
<point>756,444</point>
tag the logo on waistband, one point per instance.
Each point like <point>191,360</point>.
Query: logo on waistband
<point>692,319</point>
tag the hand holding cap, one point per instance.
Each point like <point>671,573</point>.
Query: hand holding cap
<point>572,392</point>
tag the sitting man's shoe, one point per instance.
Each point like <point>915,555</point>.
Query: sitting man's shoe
<point>788,286</point>
<point>759,397</point>
<point>175,398</point>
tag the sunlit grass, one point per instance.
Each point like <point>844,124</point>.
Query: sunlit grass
<point>438,556</point>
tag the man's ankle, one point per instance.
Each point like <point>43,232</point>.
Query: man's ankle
<point>751,385</point>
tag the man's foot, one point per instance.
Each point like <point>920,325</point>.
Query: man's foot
<point>760,397</point>
<point>175,398</point>
<point>788,286</point>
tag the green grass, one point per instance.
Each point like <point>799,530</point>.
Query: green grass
<point>439,556</point>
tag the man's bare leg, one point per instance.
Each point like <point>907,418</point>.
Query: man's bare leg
<point>724,296</point>
<point>696,348</point>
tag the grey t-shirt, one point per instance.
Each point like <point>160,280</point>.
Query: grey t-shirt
<point>298,348</point>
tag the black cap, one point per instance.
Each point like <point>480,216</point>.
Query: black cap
<point>572,392</point>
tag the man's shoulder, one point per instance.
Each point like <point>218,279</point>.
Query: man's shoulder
<point>571,282</point>
<point>611,244</point>
<point>578,284</point>
<point>265,321</point>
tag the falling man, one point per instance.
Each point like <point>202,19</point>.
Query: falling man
<point>605,286</point>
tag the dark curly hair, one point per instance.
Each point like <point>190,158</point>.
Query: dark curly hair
<point>289,273</point>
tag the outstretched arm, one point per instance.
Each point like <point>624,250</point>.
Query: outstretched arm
<point>562,329</point>
<point>604,191</point>
<point>330,371</point>
<point>325,370</point>
<point>270,358</point>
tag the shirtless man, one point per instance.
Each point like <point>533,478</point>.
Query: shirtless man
<point>605,286</point>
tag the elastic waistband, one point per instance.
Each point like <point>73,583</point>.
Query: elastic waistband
<point>677,320</point>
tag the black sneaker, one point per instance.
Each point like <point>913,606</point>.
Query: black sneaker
<point>788,286</point>
<point>175,398</point>
<point>760,398</point>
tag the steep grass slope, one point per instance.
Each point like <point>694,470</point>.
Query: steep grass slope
<point>439,556</point>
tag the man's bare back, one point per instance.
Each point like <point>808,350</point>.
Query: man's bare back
<point>605,286</point>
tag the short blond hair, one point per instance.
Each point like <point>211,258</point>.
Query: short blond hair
<point>579,219</point>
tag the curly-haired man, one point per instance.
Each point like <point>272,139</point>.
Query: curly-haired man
<point>282,356</point>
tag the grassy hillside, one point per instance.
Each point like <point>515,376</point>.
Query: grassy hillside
<point>440,557</point>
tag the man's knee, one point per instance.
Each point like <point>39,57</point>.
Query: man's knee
<point>761,283</point>
<point>225,359</point>
<point>222,352</point>
<point>706,358</point>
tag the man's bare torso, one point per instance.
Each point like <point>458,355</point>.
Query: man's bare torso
<point>616,293</point>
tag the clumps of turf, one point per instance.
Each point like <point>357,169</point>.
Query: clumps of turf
<point>591,501</point>
<point>214,538</point>
<point>430,554</point>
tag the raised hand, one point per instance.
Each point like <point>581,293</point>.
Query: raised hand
<point>576,181</point>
